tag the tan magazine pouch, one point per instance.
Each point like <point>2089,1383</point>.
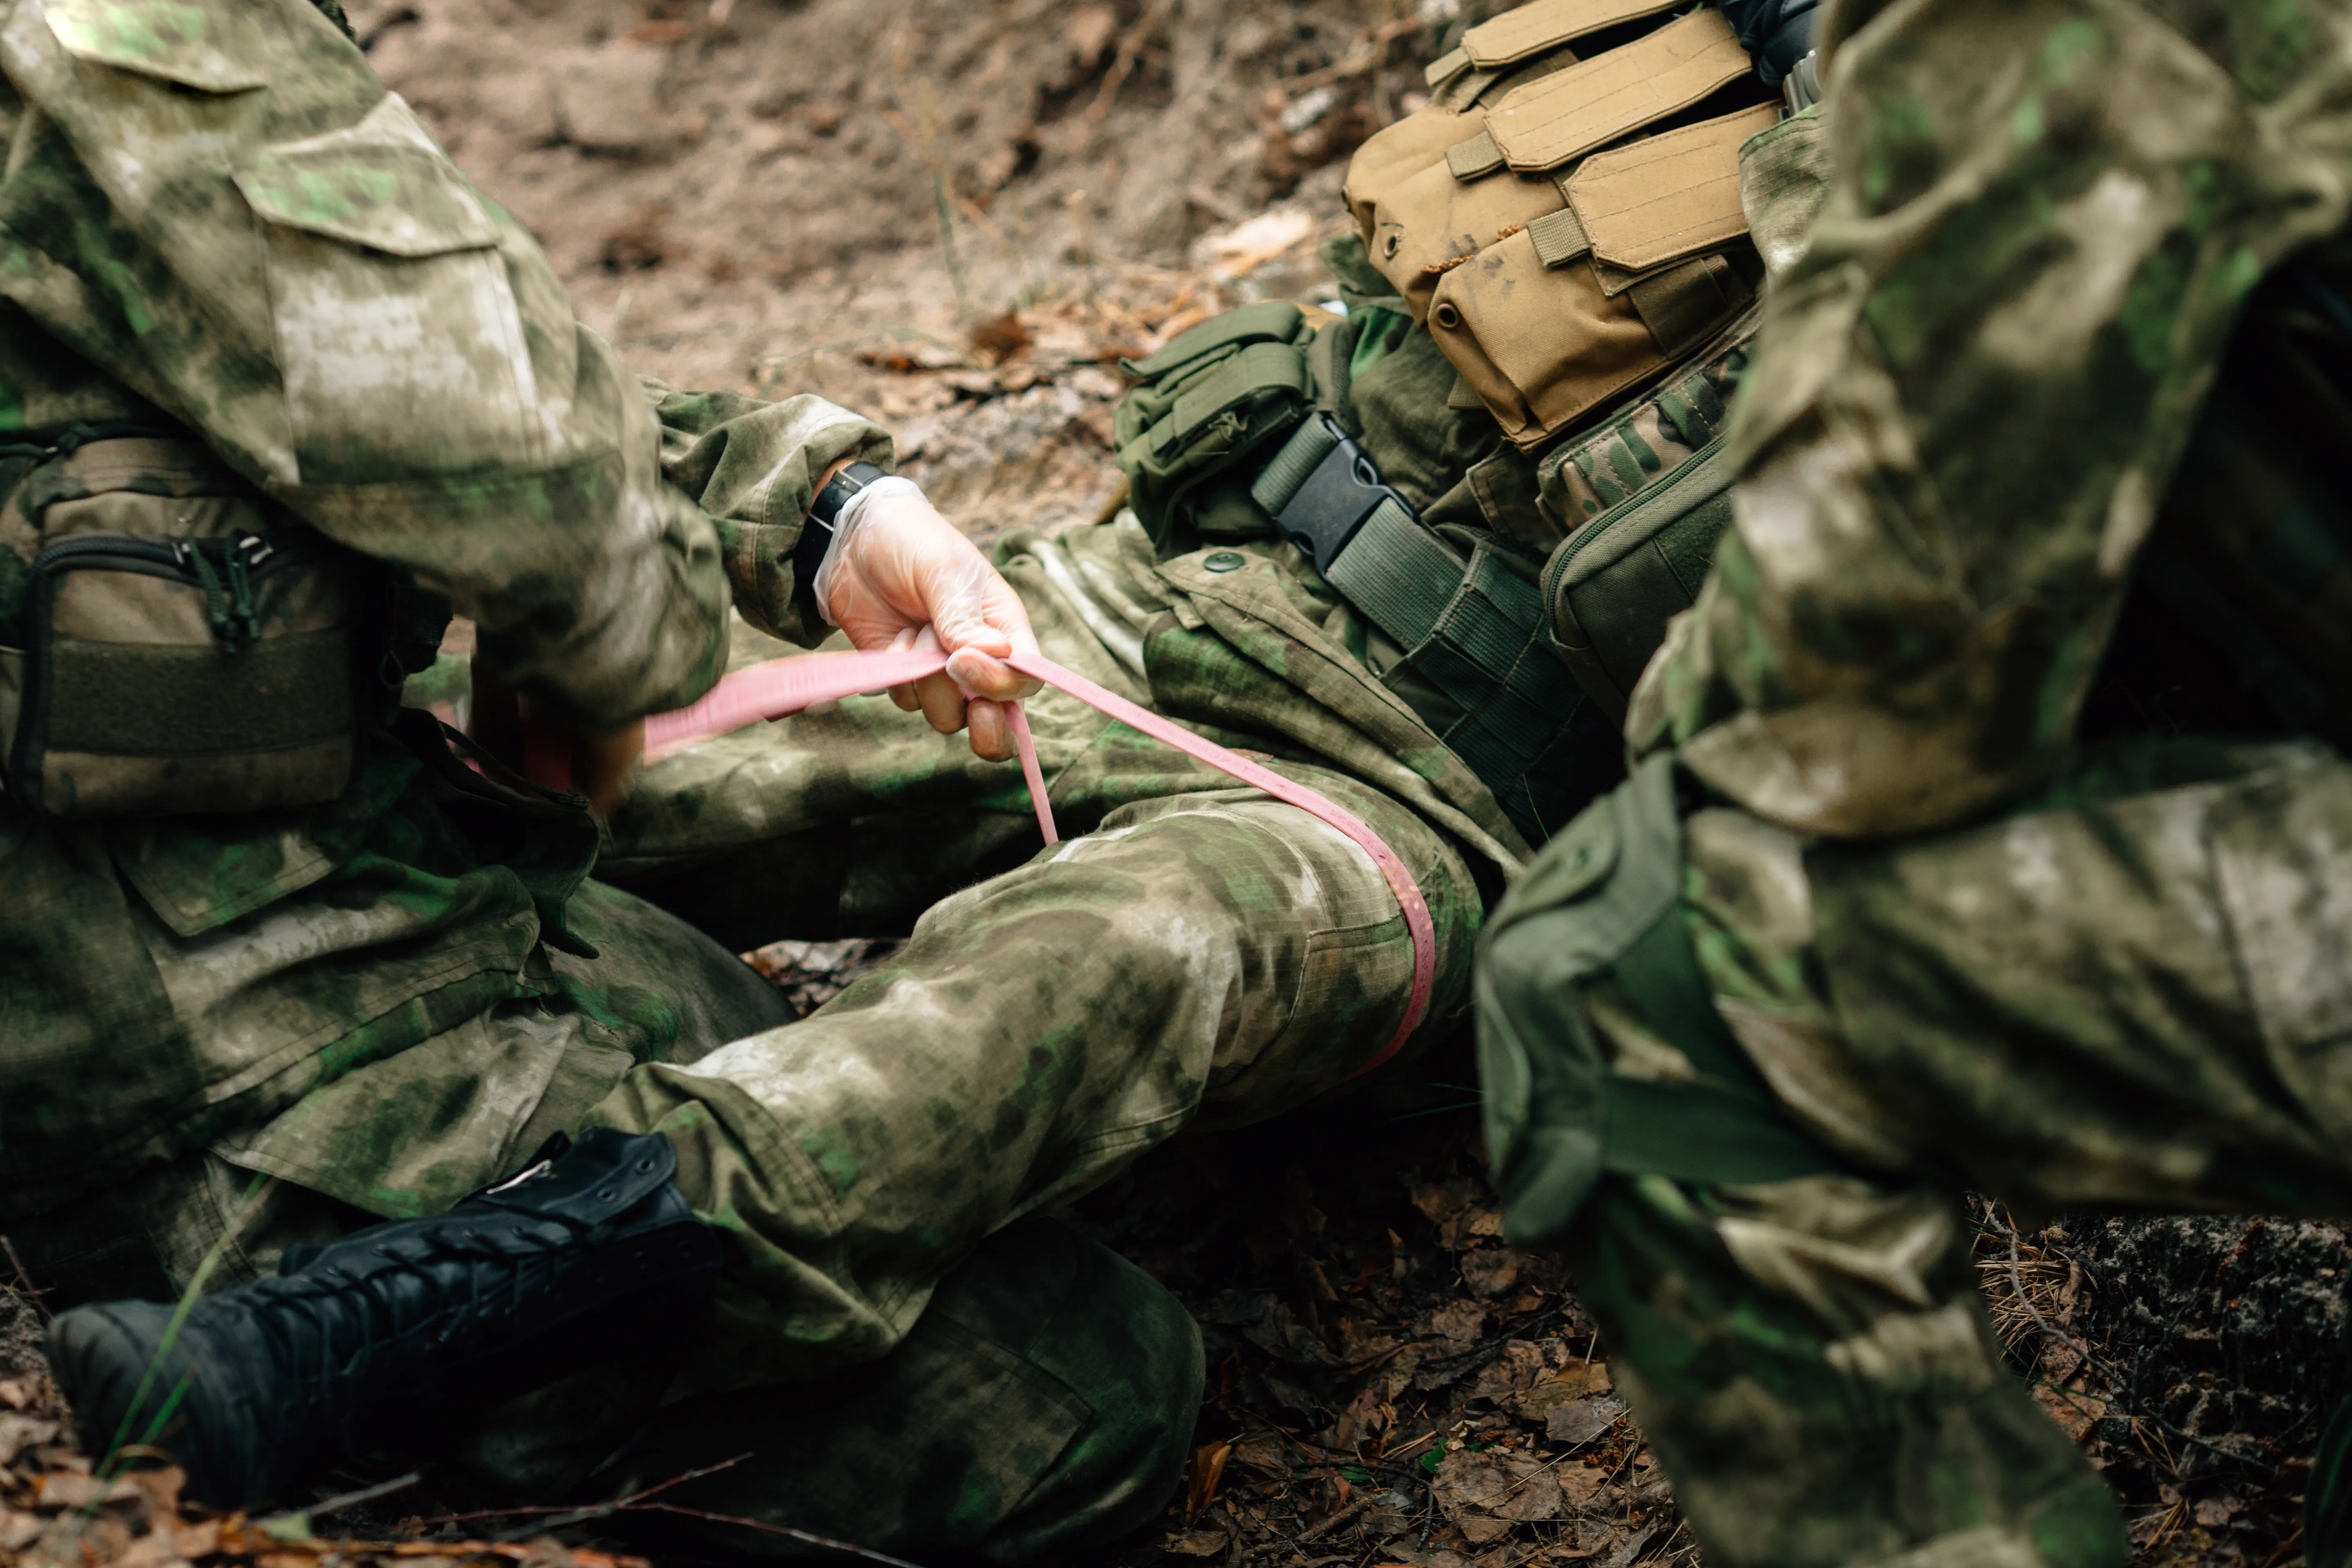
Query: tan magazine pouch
<point>1569,228</point>
<point>186,647</point>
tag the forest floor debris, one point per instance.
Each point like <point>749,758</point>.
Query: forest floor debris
<point>961,239</point>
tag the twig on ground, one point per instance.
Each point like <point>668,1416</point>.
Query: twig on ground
<point>348,1499</point>
<point>806,1536</point>
<point>595,1510</point>
<point>25,1286</point>
<point>1371,56</point>
<point>1131,45</point>
<point>1317,1532</point>
<point>635,1503</point>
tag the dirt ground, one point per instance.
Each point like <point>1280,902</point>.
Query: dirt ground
<point>955,217</point>
<point>998,197</point>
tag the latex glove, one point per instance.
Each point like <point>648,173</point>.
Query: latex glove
<point>904,575</point>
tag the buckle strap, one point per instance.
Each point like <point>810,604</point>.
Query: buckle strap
<point>1475,628</point>
<point>1321,489</point>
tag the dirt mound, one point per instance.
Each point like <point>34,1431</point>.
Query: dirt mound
<point>856,198</point>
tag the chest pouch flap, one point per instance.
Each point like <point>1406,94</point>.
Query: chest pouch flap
<point>1544,125</point>
<point>184,646</point>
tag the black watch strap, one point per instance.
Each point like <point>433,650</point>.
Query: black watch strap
<point>816,532</point>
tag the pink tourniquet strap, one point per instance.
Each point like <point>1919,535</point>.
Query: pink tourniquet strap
<point>787,686</point>
<point>1026,745</point>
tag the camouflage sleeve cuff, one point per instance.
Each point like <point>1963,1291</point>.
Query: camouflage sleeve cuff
<point>753,468</point>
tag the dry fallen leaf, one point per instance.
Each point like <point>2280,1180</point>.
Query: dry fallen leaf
<point>999,338</point>
<point>1518,1367</point>
<point>1199,1543</point>
<point>1208,1467</point>
<point>1491,1484</point>
<point>1461,1321</point>
<point>1490,1271</point>
<point>1583,1420</point>
<point>1581,1381</point>
<point>19,1433</point>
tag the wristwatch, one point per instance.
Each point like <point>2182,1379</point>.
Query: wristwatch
<point>816,533</point>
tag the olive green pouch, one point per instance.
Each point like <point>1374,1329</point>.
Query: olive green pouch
<point>1601,907</point>
<point>1218,396</point>
<point>1653,486</point>
<point>184,645</point>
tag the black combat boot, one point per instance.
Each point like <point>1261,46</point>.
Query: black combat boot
<point>395,1338</point>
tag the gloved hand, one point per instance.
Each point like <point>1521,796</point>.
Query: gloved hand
<point>902,576</point>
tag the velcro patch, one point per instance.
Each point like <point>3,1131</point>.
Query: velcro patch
<point>1545,24</point>
<point>1594,102</point>
<point>1667,196</point>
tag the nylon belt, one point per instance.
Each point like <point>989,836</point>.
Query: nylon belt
<point>1474,629</point>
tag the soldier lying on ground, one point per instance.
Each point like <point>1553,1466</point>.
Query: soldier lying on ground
<point>2043,444</point>
<point>280,370</point>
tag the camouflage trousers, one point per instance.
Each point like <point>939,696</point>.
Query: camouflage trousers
<point>2138,994</point>
<point>916,1357</point>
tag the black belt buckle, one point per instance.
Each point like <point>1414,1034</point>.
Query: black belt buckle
<point>1333,502</point>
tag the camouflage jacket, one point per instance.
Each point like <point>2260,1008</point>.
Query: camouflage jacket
<point>1970,400</point>
<point>213,213</point>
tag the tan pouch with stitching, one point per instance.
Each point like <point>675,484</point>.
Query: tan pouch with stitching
<point>1544,327</point>
<point>188,647</point>
<point>1595,103</point>
<point>1562,226</point>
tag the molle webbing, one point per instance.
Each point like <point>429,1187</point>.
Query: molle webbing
<point>1594,102</point>
<point>1475,630</point>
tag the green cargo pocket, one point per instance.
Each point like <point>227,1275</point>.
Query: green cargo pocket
<point>1613,585</point>
<point>1602,903</point>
